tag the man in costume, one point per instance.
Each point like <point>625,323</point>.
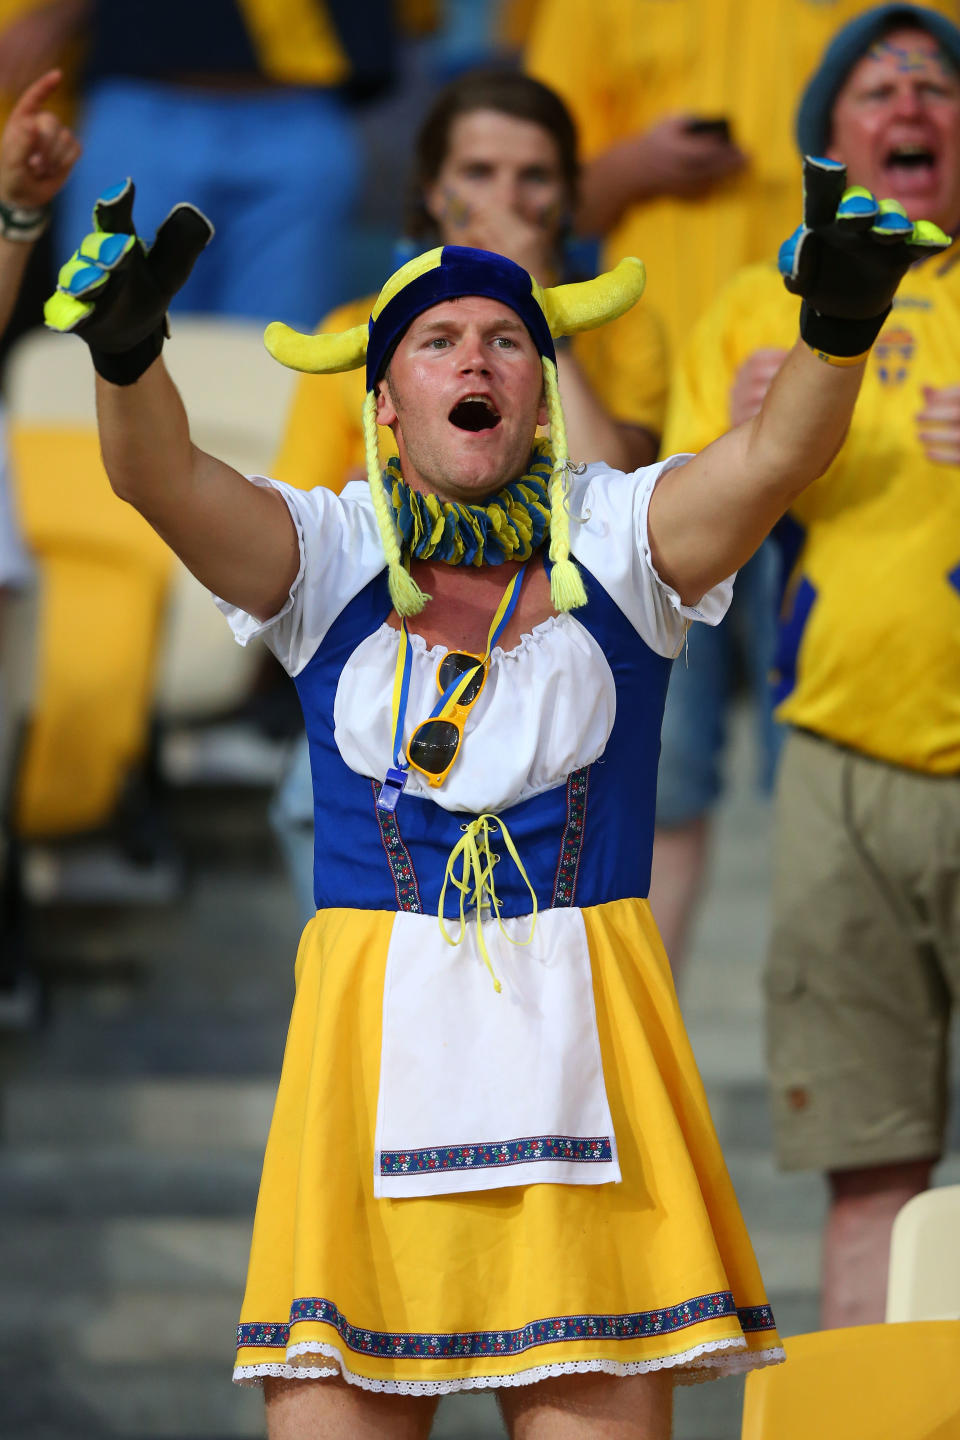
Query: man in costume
<point>491,1161</point>
<point>495,168</point>
<point>864,961</point>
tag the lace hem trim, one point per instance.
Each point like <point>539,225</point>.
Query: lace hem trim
<point>694,1366</point>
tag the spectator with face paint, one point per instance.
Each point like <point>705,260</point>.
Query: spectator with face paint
<point>864,957</point>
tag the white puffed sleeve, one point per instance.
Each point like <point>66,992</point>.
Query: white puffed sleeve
<point>340,553</point>
<point>608,533</point>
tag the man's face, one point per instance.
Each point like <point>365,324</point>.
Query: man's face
<point>464,395</point>
<point>896,126</point>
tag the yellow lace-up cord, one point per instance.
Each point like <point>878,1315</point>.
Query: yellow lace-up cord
<point>475,883</point>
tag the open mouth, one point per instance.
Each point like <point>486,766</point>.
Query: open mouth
<point>474,412</point>
<point>910,159</point>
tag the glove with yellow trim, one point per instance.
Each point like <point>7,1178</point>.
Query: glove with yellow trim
<point>115,291</point>
<point>847,259</point>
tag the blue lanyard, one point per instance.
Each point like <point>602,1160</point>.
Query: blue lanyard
<point>396,776</point>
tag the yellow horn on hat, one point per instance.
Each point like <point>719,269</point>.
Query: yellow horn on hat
<point>316,354</point>
<point>589,303</point>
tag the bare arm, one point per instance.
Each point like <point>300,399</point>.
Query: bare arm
<point>708,517</point>
<point>37,153</point>
<point>845,261</point>
<point>237,538</point>
<point>667,159</point>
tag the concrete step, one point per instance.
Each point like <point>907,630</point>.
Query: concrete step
<point>207,1114</point>
<point>100,1257</point>
<point>69,1399</point>
<point>116,1181</point>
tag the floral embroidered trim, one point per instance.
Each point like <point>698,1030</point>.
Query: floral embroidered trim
<point>756,1317</point>
<point>568,866</point>
<point>494,1154</point>
<point>710,1361</point>
<point>398,857</point>
<point>638,1325</point>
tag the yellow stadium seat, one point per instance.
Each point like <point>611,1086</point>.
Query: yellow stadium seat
<point>924,1281</point>
<point>871,1382</point>
<point>125,631</point>
<point>104,576</point>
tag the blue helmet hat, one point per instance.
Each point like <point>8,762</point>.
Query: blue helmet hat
<point>850,45</point>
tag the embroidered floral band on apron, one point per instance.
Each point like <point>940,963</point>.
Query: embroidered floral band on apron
<point>467,1101</point>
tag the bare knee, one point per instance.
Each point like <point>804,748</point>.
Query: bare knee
<point>575,1407</point>
<point>879,1184</point>
<point>334,1410</point>
<point>863,1205</point>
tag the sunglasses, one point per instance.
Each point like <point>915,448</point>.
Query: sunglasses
<point>434,744</point>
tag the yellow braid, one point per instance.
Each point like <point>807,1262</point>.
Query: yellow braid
<point>566,584</point>
<point>407,597</point>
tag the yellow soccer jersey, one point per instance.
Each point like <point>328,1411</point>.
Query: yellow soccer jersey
<point>621,65</point>
<point>869,650</point>
<point>625,363</point>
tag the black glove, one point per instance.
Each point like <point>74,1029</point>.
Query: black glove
<point>114,292</point>
<point>847,259</point>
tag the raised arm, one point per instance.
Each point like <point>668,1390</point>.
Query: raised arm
<point>237,538</point>
<point>37,152</point>
<point>708,517</point>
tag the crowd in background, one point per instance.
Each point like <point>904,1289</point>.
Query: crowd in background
<point>564,134</point>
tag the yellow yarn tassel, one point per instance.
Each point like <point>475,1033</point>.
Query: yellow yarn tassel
<point>566,582</point>
<point>407,597</point>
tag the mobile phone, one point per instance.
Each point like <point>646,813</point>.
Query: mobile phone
<point>710,125</point>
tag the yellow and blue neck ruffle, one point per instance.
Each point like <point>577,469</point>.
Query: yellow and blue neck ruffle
<point>509,526</point>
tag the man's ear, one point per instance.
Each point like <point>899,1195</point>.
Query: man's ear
<point>543,417</point>
<point>386,410</point>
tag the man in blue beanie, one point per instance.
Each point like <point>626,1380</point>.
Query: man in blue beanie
<point>864,958</point>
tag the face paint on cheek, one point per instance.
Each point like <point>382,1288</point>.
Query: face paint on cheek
<point>549,216</point>
<point>455,209</point>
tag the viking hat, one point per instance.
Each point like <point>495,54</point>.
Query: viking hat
<point>447,273</point>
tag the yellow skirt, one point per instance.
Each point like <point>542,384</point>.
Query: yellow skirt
<point>507,1286</point>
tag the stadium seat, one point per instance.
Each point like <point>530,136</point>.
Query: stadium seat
<point>924,1281</point>
<point>871,1382</point>
<point>126,633</point>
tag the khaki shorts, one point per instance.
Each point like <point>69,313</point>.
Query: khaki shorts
<point>864,959</point>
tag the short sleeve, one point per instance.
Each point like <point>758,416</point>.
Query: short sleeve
<point>608,534</point>
<point>340,553</point>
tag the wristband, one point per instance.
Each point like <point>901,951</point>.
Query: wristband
<point>25,226</point>
<point>840,339</point>
<point>126,366</point>
<point>841,360</point>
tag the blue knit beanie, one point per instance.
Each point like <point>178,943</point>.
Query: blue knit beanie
<point>850,45</point>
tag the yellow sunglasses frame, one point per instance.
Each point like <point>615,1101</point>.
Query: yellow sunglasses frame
<point>457,717</point>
